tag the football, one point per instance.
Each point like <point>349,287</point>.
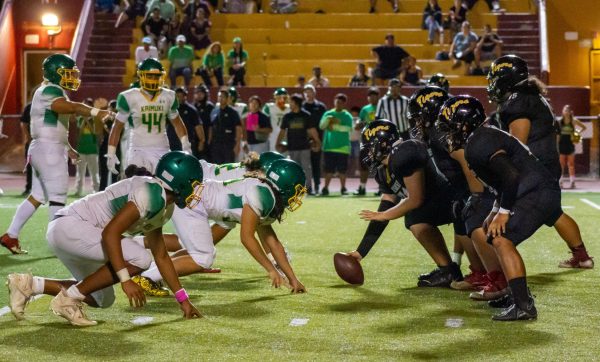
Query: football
<point>348,268</point>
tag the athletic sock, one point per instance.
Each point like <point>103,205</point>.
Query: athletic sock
<point>457,257</point>
<point>38,285</point>
<point>152,273</point>
<point>73,292</point>
<point>520,293</point>
<point>24,212</point>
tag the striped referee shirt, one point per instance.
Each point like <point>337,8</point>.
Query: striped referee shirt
<point>394,110</point>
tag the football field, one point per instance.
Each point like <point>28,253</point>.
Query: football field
<point>388,318</point>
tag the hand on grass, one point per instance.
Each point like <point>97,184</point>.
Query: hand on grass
<point>189,311</point>
<point>135,293</point>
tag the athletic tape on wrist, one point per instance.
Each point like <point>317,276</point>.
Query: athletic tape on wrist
<point>112,150</point>
<point>181,295</point>
<point>123,275</point>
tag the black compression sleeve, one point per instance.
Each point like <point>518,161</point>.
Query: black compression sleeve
<point>508,174</point>
<point>374,230</point>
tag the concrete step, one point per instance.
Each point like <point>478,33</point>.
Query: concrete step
<point>107,55</point>
<point>97,70</point>
<point>117,38</point>
<point>104,63</point>
<point>104,47</point>
<point>361,6</point>
<point>512,32</point>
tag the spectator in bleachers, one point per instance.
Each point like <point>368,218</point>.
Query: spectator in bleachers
<point>493,5</point>
<point>226,131</point>
<point>87,147</point>
<point>317,80</point>
<point>456,16</point>
<point>394,107</point>
<point>213,62</point>
<point>284,6</point>
<point>337,124</point>
<point>146,50</point>
<point>360,79</point>
<point>300,82</point>
<point>181,57</point>
<point>412,74</point>
<point>489,47</point>
<point>200,30</point>
<point>191,120</point>
<point>389,58</point>
<point>204,107</point>
<point>373,4</point>
<point>301,135</point>
<point>463,47</point>
<point>156,28</point>
<point>257,127</point>
<point>432,21</point>
<point>166,8</point>
<point>316,109</point>
<point>236,62</point>
<point>174,28</point>
<point>191,7</point>
<point>133,9</point>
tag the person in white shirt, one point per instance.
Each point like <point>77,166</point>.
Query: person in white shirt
<point>145,51</point>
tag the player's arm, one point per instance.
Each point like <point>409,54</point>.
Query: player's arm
<point>182,134</point>
<point>520,129</point>
<point>249,225</point>
<point>415,186</point>
<point>579,124</point>
<point>267,235</point>
<point>63,106</point>
<point>156,244</point>
<point>375,228</point>
<point>505,171</point>
<point>475,186</point>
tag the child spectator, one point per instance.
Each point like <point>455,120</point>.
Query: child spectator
<point>318,81</point>
<point>212,65</point>
<point>463,47</point>
<point>181,57</point>
<point>236,62</point>
<point>199,30</point>
<point>174,28</point>
<point>432,21</point>
<point>257,127</point>
<point>413,74</point>
<point>360,79</point>
<point>145,51</point>
<point>133,9</point>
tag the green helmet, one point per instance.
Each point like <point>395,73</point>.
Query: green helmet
<point>151,74</point>
<point>181,173</point>
<point>61,70</point>
<point>267,158</point>
<point>233,94</point>
<point>134,84</point>
<point>288,178</point>
<point>280,92</point>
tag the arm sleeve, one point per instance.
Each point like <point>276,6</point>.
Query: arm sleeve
<point>123,111</point>
<point>508,175</point>
<point>374,230</point>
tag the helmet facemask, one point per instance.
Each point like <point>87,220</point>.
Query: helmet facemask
<point>373,154</point>
<point>295,201</point>
<point>69,78</point>
<point>151,80</point>
<point>494,92</point>
<point>195,197</point>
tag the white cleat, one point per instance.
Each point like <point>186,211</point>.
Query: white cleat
<point>19,293</point>
<point>70,309</point>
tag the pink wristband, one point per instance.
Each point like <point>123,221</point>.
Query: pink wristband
<point>181,295</point>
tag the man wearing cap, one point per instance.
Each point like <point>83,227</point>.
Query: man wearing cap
<point>146,50</point>
<point>394,107</point>
<point>204,107</point>
<point>181,57</point>
<point>389,58</point>
<point>316,109</point>
<point>191,120</point>
<point>367,115</point>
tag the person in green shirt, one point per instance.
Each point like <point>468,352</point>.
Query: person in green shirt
<point>366,116</point>
<point>236,62</point>
<point>212,65</point>
<point>181,57</point>
<point>166,7</point>
<point>337,124</point>
<point>88,151</point>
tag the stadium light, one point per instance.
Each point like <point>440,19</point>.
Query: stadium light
<point>49,19</point>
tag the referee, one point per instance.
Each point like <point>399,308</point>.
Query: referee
<point>394,107</point>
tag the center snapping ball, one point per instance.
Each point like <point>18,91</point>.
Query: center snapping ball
<point>348,268</point>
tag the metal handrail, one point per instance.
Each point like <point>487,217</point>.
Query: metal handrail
<point>88,6</point>
<point>544,53</point>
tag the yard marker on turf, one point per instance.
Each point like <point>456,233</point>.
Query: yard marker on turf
<point>592,204</point>
<point>454,322</point>
<point>299,322</point>
<point>4,310</point>
<point>142,320</point>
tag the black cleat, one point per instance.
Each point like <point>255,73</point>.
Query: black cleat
<point>430,274</point>
<point>504,301</point>
<point>441,277</point>
<point>324,191</point>
<point>515,313</point>
<point>344,191</point>
<point>360,192</point>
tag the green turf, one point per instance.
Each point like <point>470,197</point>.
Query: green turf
<point>386,319</point>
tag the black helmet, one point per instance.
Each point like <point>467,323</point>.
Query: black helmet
<point>505,73</point>
<point>376,142</point>
<point>439,80</point>
<point>423,109</point>
<point>459,117</point>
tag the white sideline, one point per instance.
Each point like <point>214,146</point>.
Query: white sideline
<point>592,204</point>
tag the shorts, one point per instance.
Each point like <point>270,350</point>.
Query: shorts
<point>145,157</point>
<point>476,210</point>
<point>50,173</point>
<point>335,161</point>
<point>488,55</point>
<point>78,245</point>
<point>382,73</point>
<point>436,211</point>
<point>531,211</point>
<point>467,58</point>
<point>193,229</point>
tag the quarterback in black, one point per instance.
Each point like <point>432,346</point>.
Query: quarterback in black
<point>525,113</point>
<point>412,188</point>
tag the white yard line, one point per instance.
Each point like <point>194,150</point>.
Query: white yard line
<point>592,204</point>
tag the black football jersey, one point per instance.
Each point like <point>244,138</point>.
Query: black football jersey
<point>542,134</point>
<point>485,142</point>
<point>447,166</point>
<point>405,159</point>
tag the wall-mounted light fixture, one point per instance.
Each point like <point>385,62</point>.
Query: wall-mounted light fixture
<point>52,25</point>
